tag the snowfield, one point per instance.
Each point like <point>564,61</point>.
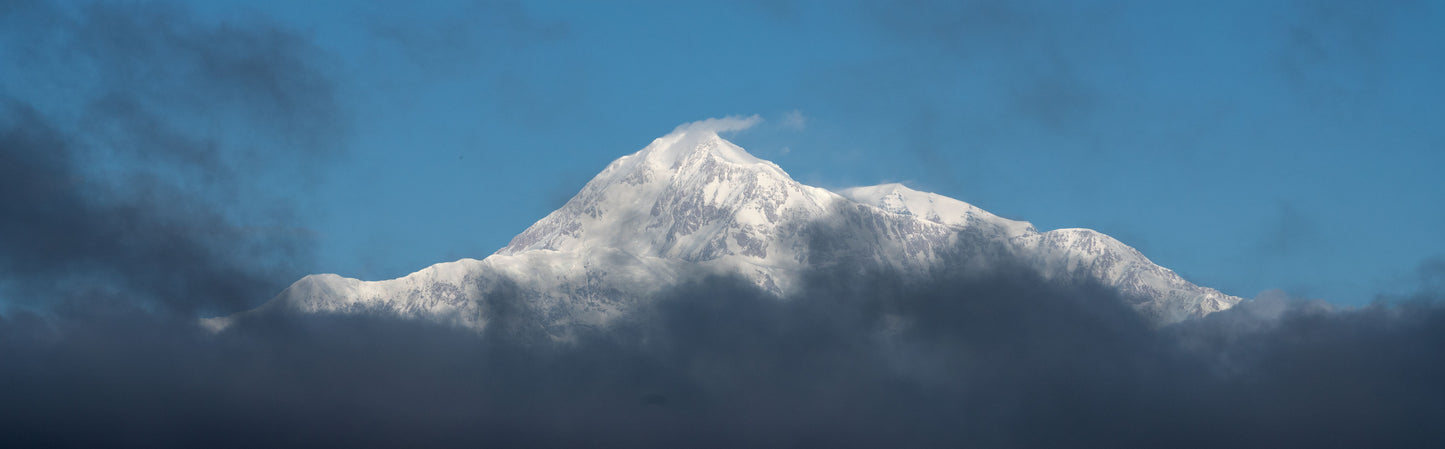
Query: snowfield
<point>692,204</point>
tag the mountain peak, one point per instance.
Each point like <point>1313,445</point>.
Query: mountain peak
<point>699,141</point>
<point>674,150</point>
<point>692,203</point>
<point>689,195</point>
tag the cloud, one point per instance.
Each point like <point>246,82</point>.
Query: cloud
<point>731,123</point>
<point>1291,234</point>
<point>1332,49</point>
<point>499,53</point>
<point>466,34</point>
<point>795,120</point>
<point>1030,53</point>
<point>155,184</point>
<point>862,358</point>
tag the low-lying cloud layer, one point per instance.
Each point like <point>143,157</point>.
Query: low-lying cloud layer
<point>997,359</point>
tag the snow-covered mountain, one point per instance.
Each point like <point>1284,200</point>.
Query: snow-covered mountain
<point>692,204</point>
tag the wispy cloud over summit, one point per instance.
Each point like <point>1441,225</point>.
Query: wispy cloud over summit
<point>731,123</point>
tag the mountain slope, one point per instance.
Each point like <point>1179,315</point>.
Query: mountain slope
<point>692,204</point>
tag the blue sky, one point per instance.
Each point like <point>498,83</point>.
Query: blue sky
<point>1246,145</point>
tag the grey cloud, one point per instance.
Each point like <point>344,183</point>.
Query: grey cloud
<point>141,143</point>
<point>970,75</point>
<point>493,41</point>
<point>1029,48</point>
<point>473,33</point>
<point>1291,233</point>
<point>863,358</point>
<point>1332,54</point>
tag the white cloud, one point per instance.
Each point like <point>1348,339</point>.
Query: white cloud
<point>795,120</point>
<point>720,125</point>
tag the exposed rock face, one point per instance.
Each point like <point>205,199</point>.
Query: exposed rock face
<point>692,204</point>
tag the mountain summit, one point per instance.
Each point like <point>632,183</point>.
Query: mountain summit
<point>692,204</point>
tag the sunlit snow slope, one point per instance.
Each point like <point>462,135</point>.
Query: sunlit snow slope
<point>692,204</point>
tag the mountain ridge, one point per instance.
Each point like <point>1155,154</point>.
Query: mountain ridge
<point>692,204</point>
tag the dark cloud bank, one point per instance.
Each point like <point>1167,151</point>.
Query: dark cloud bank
<point>863,359</point>
<point>106,273</point>
<point>144,155</point>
